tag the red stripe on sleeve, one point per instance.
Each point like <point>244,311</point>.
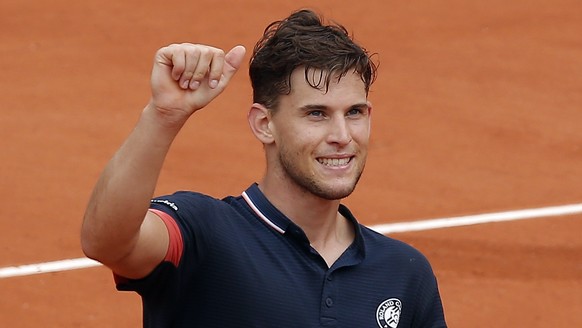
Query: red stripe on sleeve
<point>176,244</point>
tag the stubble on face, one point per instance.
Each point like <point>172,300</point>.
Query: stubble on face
<point>310,183</point>
<point>296,159</point>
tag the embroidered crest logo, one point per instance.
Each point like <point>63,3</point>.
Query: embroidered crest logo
<point>388,313</point>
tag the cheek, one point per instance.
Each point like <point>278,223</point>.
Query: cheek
<point>298,137</point>
<point>297,153</point>
<point>361,132</point>
<point>294,146</point>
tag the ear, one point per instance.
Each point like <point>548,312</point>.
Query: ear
<point>370,112</point>
<point>259,120</point>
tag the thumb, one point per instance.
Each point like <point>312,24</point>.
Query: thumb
<point>233,60</point>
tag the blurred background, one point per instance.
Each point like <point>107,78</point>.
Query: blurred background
<point>477,109</point>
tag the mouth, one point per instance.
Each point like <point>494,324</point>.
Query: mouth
<point>335,162</point>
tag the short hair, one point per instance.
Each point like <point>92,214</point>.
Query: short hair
<point>302,40</point>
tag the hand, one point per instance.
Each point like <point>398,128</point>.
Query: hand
<point>186,77</point>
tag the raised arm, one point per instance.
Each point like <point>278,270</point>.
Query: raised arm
<point>117,229</point>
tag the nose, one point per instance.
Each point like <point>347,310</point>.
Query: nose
<point>339,131</point>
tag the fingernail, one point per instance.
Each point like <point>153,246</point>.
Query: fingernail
<point>185,84</point>
<point>213,83</point>
<point>194,85</point>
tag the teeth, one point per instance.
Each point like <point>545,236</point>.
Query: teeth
<point>333,161</point>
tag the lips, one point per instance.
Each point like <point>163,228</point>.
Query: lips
<point>333,162</point>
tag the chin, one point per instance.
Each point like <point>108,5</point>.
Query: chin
<point>333,192</point>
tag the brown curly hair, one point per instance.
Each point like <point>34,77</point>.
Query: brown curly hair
<point>302,40</point>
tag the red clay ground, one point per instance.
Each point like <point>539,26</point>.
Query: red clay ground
<point>477,109</point>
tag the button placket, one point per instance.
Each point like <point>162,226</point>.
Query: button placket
<point>328,308</point>
<point>329,302</point>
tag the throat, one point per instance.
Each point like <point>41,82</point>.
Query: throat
<point>332,245</point>
<point>331,253</point>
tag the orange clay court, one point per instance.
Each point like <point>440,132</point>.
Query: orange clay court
<point>477,109</point>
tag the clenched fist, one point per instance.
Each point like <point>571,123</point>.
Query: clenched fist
<point>186,77</point>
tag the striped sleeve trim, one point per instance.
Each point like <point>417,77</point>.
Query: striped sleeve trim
<point>176,243</point>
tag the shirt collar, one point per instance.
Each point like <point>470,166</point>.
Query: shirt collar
<point>267,212</point>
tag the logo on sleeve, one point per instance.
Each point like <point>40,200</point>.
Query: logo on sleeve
<point>388,313</point>
<point>165,202</point>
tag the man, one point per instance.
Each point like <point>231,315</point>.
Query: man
<point>285,253</point>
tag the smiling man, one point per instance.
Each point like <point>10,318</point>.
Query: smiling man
<point>286,252</point>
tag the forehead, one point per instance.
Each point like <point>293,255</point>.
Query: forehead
<point>311,87</point>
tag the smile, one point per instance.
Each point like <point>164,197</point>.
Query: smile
<point>334,161</point>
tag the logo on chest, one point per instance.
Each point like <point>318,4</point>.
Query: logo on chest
<point>388,313</point>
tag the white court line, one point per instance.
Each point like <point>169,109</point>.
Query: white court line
<point>81,263</point>
<point>56,266</point>
<point>479,219</point>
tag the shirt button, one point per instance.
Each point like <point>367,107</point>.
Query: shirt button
<point>329,302</point>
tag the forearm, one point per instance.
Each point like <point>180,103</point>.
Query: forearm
<point>115,231</point>
<point>121,196</point>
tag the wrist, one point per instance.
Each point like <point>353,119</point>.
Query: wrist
<point>163,119</point>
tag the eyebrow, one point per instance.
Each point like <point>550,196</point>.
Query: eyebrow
<point>322,107</point>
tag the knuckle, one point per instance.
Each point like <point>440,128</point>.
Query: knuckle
<point>199,75</point>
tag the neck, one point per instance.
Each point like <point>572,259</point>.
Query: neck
<point>310,212</point>
<point>327,230</point>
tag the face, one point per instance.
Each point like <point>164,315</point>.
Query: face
<point>321,138</point>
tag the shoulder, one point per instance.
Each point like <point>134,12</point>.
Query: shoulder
<point>387,250</point>
<point>183,199</point>
<point>376,239</point>
<point>379,247</point>
<point>185,203</point>
<point>197,210</point>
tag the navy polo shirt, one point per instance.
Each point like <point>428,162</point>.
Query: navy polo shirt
<point>244,264</point>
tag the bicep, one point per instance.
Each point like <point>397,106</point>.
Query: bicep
<point>150,249</point>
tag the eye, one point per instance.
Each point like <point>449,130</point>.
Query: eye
<point>354,112</point>
<point>315,113</point>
